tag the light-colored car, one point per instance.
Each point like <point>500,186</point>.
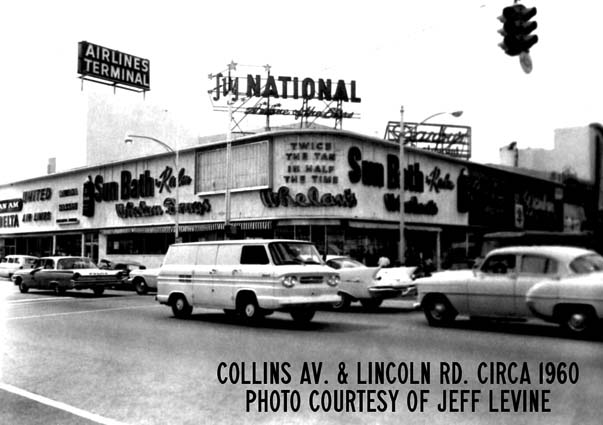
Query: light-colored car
<point>63,273</point>
<point>558,284</point>
<point>251,277</point>
<point>369,285</point>
<point>143,280</point>
<point>12,263</point>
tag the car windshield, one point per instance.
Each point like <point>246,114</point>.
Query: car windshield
<point>587,264</point>
<point>76,263</point>
<point>294,253</point>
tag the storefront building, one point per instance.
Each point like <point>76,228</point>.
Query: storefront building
<point>336,188</point>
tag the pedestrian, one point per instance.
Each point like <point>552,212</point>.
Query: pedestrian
<point>383,261</point>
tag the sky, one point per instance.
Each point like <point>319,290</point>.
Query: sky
<point>427,56</point>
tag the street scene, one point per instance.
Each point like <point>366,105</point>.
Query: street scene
<point>123,358</point>
<point>317,213</point>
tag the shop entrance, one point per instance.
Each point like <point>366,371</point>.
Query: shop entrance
<point>422,245</point>
<point>69,245</point>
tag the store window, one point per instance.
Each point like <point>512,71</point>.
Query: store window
<point>139,243</point>
<point>250,167</point>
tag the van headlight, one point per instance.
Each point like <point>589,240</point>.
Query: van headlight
<point>289,281</point>
<point>333,280</point>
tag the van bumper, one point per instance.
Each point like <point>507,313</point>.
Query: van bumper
<point>286,303</point>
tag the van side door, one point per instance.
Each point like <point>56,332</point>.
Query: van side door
<point>203,275</point>
<point>176,273</point>
<point>241,267</point>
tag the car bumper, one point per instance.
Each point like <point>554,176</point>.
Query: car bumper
<point>91,285</point>
<point>383,292</point>
<point>308,301</point>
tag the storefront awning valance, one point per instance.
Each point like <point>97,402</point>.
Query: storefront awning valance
<point>192,228</point>
<point>373,225</point>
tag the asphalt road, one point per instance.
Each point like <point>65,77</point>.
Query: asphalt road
<point>123,359</point>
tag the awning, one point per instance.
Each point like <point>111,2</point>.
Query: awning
<point>373,225</point>
<point>192,228</point>
<point>309,222</point>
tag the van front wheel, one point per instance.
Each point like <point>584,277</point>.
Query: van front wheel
<point>181,308</point>
<point>249,309</point>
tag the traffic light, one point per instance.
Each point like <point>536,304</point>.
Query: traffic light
<point>517,28</point>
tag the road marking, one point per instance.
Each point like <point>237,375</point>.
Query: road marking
<point>36,300</point>
<point>79,312</point>
<point>59,405</point>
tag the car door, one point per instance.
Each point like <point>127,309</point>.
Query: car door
<point>532,269</point>
<point>45,274</point>
<point>492,291</point>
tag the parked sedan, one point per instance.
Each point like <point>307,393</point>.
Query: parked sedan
<point>63,273</point>
<point>126,268</point>
<point>11,263</point>
<point>143,280</point>
<point>558,284</point>
<point>369,285</point>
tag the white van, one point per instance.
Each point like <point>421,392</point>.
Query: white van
<point>250,277</point>
<point>12,263</point>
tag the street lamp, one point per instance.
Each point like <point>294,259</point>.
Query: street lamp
<point>455,114</point>
<point>401,245</point>
<point>167,147</point>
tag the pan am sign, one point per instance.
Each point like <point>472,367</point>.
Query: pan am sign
<point>119,68</point>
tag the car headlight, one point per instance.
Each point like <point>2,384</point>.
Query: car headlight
<point>333,280</point>
<point>289,281</point>
<point>75,276</point>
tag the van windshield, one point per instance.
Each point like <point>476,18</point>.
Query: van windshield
<point>294,253</point>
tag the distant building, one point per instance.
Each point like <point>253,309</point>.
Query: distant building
<point>575,160</point>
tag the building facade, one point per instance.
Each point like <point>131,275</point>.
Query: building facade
<point>336,188</point>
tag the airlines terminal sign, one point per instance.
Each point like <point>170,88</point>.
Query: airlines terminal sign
<point>114,67</point>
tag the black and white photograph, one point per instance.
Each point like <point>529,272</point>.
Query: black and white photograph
<point>321,212</point>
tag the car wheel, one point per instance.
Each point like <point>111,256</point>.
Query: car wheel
<point>23,288</point>
<point>303,316</point>
<point>98,291</point>
<point>248,308</point>
<point>438,311</point>
<point>371,304</point>
<point>141,287</point>
<point>577,321</point>
<point>59,290</point>
<point>344,304</point>
<point>180,307</point>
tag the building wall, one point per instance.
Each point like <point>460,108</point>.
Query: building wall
<point>308,183</point>
<point>573,151</point>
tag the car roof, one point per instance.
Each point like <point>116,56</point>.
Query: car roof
<point>559,252</point>
<point>20,256</point>
<point>59,257</point>
<point>241,241</point>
